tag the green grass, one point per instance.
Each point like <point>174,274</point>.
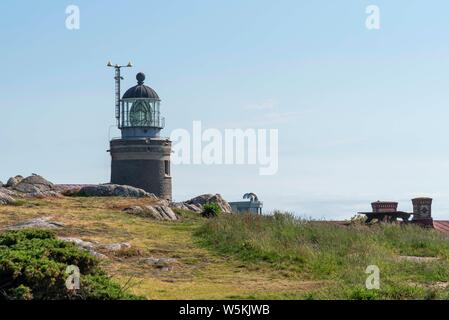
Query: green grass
<point>338,254</point>
<point>21,202</point>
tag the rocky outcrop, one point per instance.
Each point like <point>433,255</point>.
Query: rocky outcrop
<point>187,206</point>
<point>70,189</point>
<point>160,211</point>
<point>5,197</point>
<point>41,223</point>
<point>84,245</point>
<point>116,246</point>
<point>196,204</point>
<point>165,264</point>
<point>13,181</point>
<point>35,186</point>
<point>92,247</point>
<point>113,190</point>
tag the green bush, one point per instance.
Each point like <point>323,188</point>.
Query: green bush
<point>33,265</point>
<point>211,210</point>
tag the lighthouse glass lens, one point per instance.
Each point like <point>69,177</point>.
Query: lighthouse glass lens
<point>140,115</point>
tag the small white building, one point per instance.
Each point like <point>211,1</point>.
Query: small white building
<point>252,205</point>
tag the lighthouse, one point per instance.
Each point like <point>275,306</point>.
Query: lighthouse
<point>140,157</point>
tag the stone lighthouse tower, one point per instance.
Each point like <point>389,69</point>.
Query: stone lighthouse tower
<point>141,157</point>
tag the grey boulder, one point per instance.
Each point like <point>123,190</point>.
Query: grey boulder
<point>187,206</point>
<point>5,197</point>
<point>113,190</point>
<point>117,246</point>
<point>35,186</point>
<point>196,204</point>
<point>84,245</point>
<point>165,264</point>
<point>91,246</point>
<point>156,212</point>
<point>13,181</point>
<point>41,223</point>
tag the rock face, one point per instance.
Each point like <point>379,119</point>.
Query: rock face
<point>117,246</point>
<point>5,197</point>
<point>196,204</point>
<point>92,247</point>
<point>85,245</point>
<point>157,212</point>
<point>35,186</point>
<point>186,206</point>
<point>42,223</point>
<point>13,181</point>
<point>113,190</point>
<point>165,264</point>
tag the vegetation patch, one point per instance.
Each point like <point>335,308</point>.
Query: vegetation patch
<point>336,253</point>
<point>227,257</point>
<point>211,210</point>
<point>33,265</point>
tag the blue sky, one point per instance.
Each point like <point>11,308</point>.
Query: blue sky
<point>362,114</point>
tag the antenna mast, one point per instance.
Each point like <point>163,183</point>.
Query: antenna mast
<point>118,78</point>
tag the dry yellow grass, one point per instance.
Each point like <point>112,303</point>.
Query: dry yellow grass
<point>197,274</point>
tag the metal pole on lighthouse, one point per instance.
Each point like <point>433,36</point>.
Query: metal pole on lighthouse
<point>117,78</point>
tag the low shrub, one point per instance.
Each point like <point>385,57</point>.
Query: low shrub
<point>33,265</point>
<point>211,210</point>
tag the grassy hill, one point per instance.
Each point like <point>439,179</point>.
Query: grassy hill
<point>249,256</point>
